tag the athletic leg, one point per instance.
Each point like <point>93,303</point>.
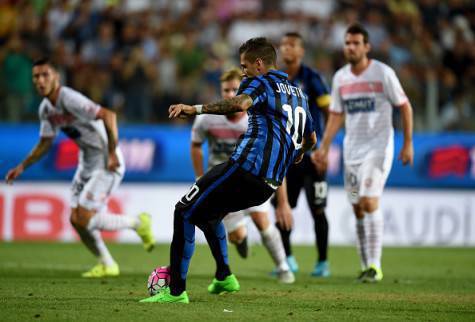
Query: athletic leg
<point>316,190</point>
<point>361,237</point>
<point>215,234</point>
<point>236,226</point>
<point>211,196</point>
<point>94,197</point>
<point>352,187</point>
<point>374,226</point>
<point>294,185</point>
<point>273,243</point>
<point>271,239</point>
<point>92,239</point>
<point>181,251</point>
<point>374,175</point>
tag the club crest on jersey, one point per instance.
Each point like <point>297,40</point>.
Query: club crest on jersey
<point>359,105</point>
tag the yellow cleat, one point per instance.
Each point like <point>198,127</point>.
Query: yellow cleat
<point>144,231</point>
<point>100,270</point>
<point>373,275</point>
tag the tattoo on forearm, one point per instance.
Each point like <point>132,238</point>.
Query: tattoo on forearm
<point>227,106</point>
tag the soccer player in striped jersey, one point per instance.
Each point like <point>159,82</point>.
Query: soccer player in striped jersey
<point>280,131</point>
<point>222,133</point>
<point>305,174</point>
<point>101,166</point>
<point>364,93</point>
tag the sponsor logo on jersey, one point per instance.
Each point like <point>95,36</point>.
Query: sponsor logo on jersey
<point>359,105</point>
<point>61,119</point>
<point>223,148</point>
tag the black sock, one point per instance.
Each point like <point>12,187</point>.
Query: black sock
<point>321,233</point>
<point>215,234</point>
<point>222,272</point>
<point>177,286</point>
<point>285,234</point>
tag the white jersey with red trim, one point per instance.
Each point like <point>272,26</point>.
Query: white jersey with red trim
<point>221,133</point>
<point>75,115</point>
<point>367,100</point>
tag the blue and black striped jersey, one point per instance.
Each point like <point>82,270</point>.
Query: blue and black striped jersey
<point>278,120</point>
<point>314,86</point>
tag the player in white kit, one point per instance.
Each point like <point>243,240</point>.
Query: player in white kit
<point>222,133</point>
<point>101,165</point>
<point>364,93</point>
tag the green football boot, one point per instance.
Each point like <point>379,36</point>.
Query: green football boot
<point>229,285</point>
<point>164,296</point>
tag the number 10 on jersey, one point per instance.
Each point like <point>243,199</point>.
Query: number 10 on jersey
<point>295,121</point>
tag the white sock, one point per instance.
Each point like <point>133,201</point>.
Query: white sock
<point>273,243</point>
<point>374,233</point>
<point>110,222</point>
<point>94,242</point>
<point>104,254</point>
<point>361,242</point>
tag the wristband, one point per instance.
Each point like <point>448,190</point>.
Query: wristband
<point>199,108</point>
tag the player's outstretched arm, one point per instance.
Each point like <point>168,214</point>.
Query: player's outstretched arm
<point>197,158</point>
<point>110,123</point>
<point>36,153</point>
<point>407,152</point>
<point>240,103</point>
<point>232,105</point>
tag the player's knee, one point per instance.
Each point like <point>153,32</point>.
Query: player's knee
<point>82,217</point>
<point>261,220</point>
<point>368,204</point>
<point>237,235</point>
<point>74,220</point>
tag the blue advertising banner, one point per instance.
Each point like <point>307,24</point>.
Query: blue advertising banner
<point>162,154</point>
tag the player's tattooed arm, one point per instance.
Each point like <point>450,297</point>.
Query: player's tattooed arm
<point>235,104</point>
<point>36,153</point>
<point>238,103</point>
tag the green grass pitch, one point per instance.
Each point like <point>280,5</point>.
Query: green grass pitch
<point>41,281</point>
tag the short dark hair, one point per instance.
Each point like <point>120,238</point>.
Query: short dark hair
<point>44,61</point>
<point>261,48</point>
<point>357,28</point>
<point>294,34</point>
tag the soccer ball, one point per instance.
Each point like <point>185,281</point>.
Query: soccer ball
<point>158,279</point>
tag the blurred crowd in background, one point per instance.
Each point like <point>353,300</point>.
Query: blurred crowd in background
<point>139,56</point>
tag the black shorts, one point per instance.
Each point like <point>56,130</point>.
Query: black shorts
<point>223,189</point>
<point>304,175</point>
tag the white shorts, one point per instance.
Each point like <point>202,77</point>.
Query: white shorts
<point>367,179</point>
<point>234,220</point>
<point>92,192</point>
